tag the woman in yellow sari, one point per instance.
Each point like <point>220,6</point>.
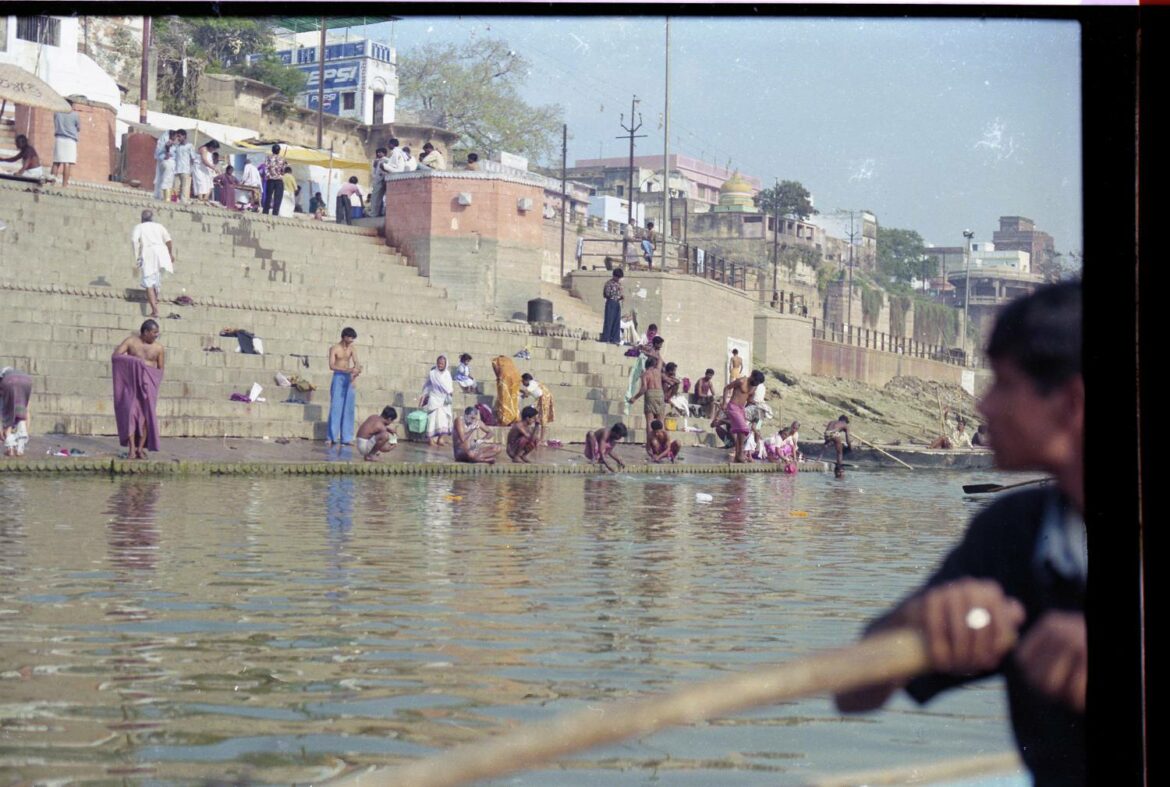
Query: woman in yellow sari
<point>507,390</point>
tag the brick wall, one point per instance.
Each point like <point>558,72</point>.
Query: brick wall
<point>97,155</point>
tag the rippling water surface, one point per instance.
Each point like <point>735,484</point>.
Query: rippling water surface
<point>181,630</point>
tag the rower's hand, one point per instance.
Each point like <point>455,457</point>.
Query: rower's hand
<point>969,624</point>
<point>1054,657</point>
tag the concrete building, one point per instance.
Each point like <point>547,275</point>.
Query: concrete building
<point>47,46</point>
<point>361,75</point>
<point>1017,233</point>
<point>690,178</point>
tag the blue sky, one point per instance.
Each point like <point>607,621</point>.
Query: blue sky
<point>936,125</point>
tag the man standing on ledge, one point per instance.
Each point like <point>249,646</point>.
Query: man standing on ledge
<point>66,131</point>
<point>342,397</point>
<point>137,366</point>
<point>1010,598</point>
<point>154,252</point>
<point>611,327</point>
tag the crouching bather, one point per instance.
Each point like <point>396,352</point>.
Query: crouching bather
<point>600,444</point>
<point>377,435</point>
<point>472,439</point>
<point>524,436</point>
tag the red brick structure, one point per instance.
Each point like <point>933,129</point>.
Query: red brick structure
<point>138,159</point>
<point>478,234</point>
<point>97,156</point>
<point>1017,233</point>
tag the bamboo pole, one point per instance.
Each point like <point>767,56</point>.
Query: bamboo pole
<point>880,451</point>
<point>882,658</point>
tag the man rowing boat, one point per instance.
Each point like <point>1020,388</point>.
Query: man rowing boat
<point>1009,599</point>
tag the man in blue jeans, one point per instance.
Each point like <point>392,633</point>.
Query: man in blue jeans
<point>342,397</point>
<point>274,168</point>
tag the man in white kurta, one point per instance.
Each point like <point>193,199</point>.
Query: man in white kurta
<point>155,253</point>
<point>250,178</point>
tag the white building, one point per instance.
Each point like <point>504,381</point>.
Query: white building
<point>361,76</point>
<point>615,209</point>
<point>46,46</point>
<point>985,256</point>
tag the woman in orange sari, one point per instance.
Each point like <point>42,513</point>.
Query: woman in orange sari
<point>507,390</point>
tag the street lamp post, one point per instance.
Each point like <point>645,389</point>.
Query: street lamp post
<point>968,234</point>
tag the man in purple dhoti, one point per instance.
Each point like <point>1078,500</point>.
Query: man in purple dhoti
<point>137,366</point>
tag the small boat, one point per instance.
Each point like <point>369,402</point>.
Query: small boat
<point>918,457</point>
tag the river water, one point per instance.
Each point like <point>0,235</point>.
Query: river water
<point>274,630</point>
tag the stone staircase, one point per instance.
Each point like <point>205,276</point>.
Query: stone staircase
<point>69,293</point>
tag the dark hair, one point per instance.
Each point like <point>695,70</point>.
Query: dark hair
<point>389,413</point>
<point>350,332</point>
<point>353,178</point>
<point>1041,334</point>
<point>182,131</point>
<point>618,273</point>
<point>657,341</point>
<point>149,325</point>
<point>393,142</point>
<point>525,377</point>
<point>734,351</point>
<point>710,371</point>
<point>19,137</point>
<point>229,166</point>
<point>469,410</point>
<point>652,327</point>
<point>649,225</point>
<point>428,145</point>
<point>843,417</point>
<point>651,363</point>
<point>756,377</point>
<point>473,157</point>
<point>655,424</point>
<point>619,430</point>
<point>276,148</point>
<point>406,148</point>
<point>212,145</point>
<point>670,367</point>
<point>464,357</point>
<point>383,151</point>
<point>528,412</point>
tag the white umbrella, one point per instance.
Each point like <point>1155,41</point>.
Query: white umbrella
<point>21,87</point>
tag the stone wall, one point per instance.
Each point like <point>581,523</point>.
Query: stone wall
<point>877,367</point>
<point>783,341</point>
<point>96,153</point>
<point>697,317</point>
<point>487,253</point>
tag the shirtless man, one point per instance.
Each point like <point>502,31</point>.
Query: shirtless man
<point>30,162</point>
<point>343,362</point>
<point>651,387</point>
<point>146,347</point>
<point>837,435</point>
<point>736,395</point>
<point>734,367</point>
<point>468,447</point>
<point>600,444</point>
<point>705,394</point>
<point>377,435</point>
<point>659,446</point>
<point>522,437</point>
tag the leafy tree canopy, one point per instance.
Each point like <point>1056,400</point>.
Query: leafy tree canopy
<point>786,198</point>
<point>475,86</point>
<point>900,253</point>
<point>190,46</point>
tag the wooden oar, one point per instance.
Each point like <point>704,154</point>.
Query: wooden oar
<point>883,658</point>
<point>976,489</point>
<point>880,451</point>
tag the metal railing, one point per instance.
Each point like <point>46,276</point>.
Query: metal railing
<point>669,256</point>
<point>879,340</point>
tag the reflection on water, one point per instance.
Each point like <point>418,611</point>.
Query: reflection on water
<point>279,630</point>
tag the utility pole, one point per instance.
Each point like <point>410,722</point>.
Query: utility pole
<point>321,87</point>
<point>564,192</point>
<point>968,235</point>
<point>144,82</point>
<point>630,195</point>
<point>666,151</point>
<point>776,240</point>
<point>852,234</point>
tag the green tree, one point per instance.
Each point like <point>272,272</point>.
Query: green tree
<point>786,198</point>
<point>188,47</point>
<point>900,253</point>
<point>475,87</point>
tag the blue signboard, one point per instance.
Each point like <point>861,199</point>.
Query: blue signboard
<point>332,102</point>
<point>338,76</point>
<point>308,54</point>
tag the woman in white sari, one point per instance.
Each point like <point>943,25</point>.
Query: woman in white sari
<point>436,401</point>
<point>203,170</point>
